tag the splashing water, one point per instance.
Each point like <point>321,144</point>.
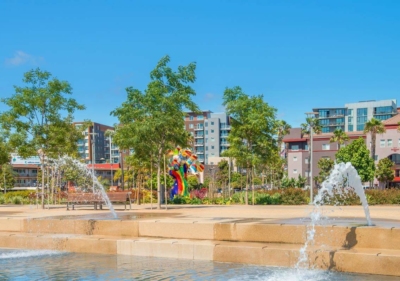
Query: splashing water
<point>98,187</point>
<point>18,254</point>
<point>342,180</point>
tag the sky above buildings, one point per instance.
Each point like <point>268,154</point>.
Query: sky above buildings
<point>298,54</point>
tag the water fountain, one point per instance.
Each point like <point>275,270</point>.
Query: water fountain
<point>97,187</point>
<point>342,180</point>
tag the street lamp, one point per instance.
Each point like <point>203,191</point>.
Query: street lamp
<point>310,161</point>
<point>93,154</point>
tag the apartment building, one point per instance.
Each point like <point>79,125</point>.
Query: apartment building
<point>210,131</point>
<point>353,116</point>
<point>297,152</point>
<point>96,147</point>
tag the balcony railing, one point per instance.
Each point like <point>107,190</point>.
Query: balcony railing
<point>199,128</point>
<point>199,144</point>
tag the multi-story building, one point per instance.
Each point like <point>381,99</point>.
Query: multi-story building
<point>353,116</point>
<point>210,131</point>
<point>298,151</point>
<point>96,147</point>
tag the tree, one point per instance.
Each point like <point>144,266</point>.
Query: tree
<point>252,127</point>
<point>301,181</point>
<point>358,155</point>
<point>340,137</point>
<point>283,129</point>
<point>36,116</point>
<point>374,127</point>
<point>384,171</point>
<point>7,177</point>
<point>153,122</point>
<point>222,175</point>
<point>192,181</point>
<point>311,123</point>
<point>325,166</point>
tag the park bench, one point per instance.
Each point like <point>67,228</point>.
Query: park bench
<point>96,199</point>
<point>120,197</point>
<point>84,198</point>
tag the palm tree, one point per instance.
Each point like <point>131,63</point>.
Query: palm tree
<point>313,123</point>
<point>283,129</point>
<point>340,137</point>
<point>373,127</point>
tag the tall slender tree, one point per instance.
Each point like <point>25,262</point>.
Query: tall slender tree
<point>340,137</point>
<point>311,123</point>
<point>374,127</point>
<point>253,125</point>
<point>38,112</point>
<point>153,121</point>
<point>283,129</point>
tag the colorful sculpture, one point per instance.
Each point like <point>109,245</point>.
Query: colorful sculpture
<point>181,161</point>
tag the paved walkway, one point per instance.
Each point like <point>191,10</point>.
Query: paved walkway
<point>387,216</point>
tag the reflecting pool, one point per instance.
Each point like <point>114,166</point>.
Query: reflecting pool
<point>52,265</point>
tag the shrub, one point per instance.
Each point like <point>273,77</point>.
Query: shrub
<point>294,196</point>
<point>17,200</point>
<point>2,199</point>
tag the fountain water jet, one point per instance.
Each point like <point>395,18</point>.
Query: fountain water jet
<point>343,179</point>
<point>66,160</point>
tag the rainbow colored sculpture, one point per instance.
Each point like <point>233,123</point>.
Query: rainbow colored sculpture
<point>181,161</point>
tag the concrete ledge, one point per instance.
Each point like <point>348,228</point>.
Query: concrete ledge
<point>11,224</point>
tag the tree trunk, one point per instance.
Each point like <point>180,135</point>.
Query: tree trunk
<point>138,193</point>
<point>42,161</point>
<point>373,142</point>
<point>159,181</point>
<point>246,198</point>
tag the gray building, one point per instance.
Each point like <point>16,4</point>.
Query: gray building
<point>210,132</point>
<point>353,116</point>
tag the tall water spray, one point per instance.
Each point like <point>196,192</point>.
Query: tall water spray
<point>97,186</point>
<point>342,180</point>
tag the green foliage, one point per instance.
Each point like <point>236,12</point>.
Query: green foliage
<point>301,182</point>
<point>384,170</point>
<point>358,154</point>
<point>34,119</point>
<point>325,166</point>
<point>339,136</point>
<point>7,177</point>
<point>374,127</point>
<point>193,182</point>
<point>153,120</point>
<point>294,196</point>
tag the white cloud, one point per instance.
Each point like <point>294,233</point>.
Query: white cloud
<point>21,57</point>
<point>209,96</point>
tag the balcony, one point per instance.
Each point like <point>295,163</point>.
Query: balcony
<point>199,128</point>
<point>199,136</point>
<point>334,124</point>
<point>225,144</point>
<point>199,144</point>
<point>199,152</point>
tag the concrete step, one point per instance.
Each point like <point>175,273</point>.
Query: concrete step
<point>360,260</point>
<point>331,236</point>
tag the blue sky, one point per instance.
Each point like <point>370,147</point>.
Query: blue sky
<point>298,54</point>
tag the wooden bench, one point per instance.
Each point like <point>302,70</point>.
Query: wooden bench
<point>96,199</point>
<point>84,198</point>
<point>120,197</point>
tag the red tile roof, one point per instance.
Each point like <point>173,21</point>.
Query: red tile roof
<point>392,121</point>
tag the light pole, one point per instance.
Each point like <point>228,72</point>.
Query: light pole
<point>311,115</point>
<point>93,154</point>
<point>121,160</point>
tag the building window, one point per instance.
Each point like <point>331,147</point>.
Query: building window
<point>191,126</point>
<point>206,140</point>
<point>326,146</point>
<point>212,147</point>
<point>206,124</point>
<point>206,132</point>
<point>295,158</point>
<point>325,130</point>
<point>350,112</point>
<point>206,148</point>
<point>306,160</point>
<point>212,139</point>
<point>200,117</point>
<point>389,143</point>
<point>212,131</point>
<point>191,118</point>
<point>350,128</point>
<point>296,147</point>
<point>382,143</point>
<point>294,171</point>
<point>212,123</point>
